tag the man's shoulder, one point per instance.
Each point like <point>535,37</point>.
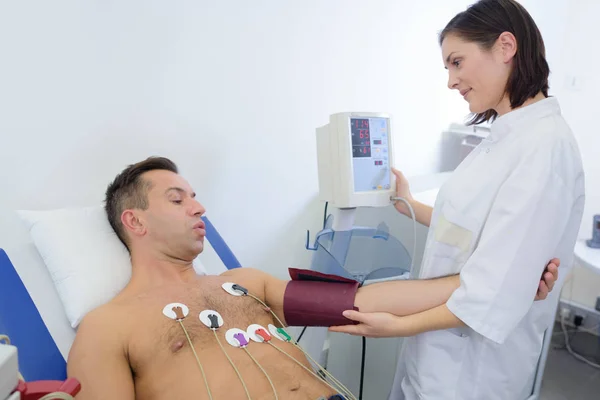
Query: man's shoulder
<point>100,336</point>
<point>106,321</point>
<point>247,273</point>
<point>100,331</point>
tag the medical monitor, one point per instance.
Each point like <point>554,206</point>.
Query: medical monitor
<point>355,156</point>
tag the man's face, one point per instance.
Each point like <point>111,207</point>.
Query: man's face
<point>172,220</point>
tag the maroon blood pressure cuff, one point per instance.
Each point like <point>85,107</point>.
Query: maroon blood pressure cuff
<point>315,299</point>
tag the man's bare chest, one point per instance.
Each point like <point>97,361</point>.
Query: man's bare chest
<point>157,340</point>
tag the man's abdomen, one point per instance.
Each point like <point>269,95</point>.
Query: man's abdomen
<point>181,378</point>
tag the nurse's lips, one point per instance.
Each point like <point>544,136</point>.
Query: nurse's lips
<point>464,93</point>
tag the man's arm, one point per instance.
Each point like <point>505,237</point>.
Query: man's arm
<point>262,285</point>
<point>423,300</point>
<point>399,297</point>
<point>406,297</point>
<point>98,360</point>
<point>440,317</point>
<point>422,303</point>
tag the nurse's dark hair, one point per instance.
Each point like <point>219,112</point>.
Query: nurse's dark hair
<point>129,190</point>
<point>482,23</point>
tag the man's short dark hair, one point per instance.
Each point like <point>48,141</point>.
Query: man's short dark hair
<point>482,23</point>
<point>130,191</point>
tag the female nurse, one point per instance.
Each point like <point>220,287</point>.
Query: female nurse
<point>513,204</point>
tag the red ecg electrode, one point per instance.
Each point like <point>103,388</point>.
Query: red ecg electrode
<point>263,334</point>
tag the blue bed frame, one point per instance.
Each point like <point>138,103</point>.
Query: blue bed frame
<point>39,357</point>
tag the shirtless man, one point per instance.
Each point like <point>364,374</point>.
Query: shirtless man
<point>127,349</point>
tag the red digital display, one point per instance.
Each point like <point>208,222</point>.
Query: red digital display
<point>361,137</point>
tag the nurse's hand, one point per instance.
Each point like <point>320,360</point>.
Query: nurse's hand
<point>422,211</point>
<point>549,278</point>
<point>375,325</point>
<point>402,190</point>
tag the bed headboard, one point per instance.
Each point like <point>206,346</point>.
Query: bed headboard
<point>22,322</point>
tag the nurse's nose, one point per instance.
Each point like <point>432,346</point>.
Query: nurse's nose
<point>452,80</point>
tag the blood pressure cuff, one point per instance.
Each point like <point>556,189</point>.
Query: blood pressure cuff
<point>315,299</point>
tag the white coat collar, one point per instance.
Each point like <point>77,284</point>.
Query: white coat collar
<point>508,122</point>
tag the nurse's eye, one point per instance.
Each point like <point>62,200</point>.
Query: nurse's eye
<point>456,63</point>
<point>177,201</point>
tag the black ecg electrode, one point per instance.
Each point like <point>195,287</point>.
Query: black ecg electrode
<point>214,321</point>
<point>239,288</point>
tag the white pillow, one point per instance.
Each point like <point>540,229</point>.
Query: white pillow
<point>87,262</point>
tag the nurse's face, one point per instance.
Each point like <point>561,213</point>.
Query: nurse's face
<point>479,75</point>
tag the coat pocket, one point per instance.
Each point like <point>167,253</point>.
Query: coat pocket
<point>455,234</point>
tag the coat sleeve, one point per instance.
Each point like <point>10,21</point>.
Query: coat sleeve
<point>520,236</point>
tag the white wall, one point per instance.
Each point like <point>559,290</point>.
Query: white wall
<point>578,94</point>
<point>232,91</point>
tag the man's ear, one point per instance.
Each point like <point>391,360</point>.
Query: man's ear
<point>508,44</point>
<point>132,223</point>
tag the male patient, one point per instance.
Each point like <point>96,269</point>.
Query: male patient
<point>127,349</point>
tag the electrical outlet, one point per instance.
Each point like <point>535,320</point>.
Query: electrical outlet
<point>587,317</point>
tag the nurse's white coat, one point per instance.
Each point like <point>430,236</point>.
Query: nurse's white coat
<point>512,205</point>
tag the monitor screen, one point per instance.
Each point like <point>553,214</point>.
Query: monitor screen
<point>370,153</point>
